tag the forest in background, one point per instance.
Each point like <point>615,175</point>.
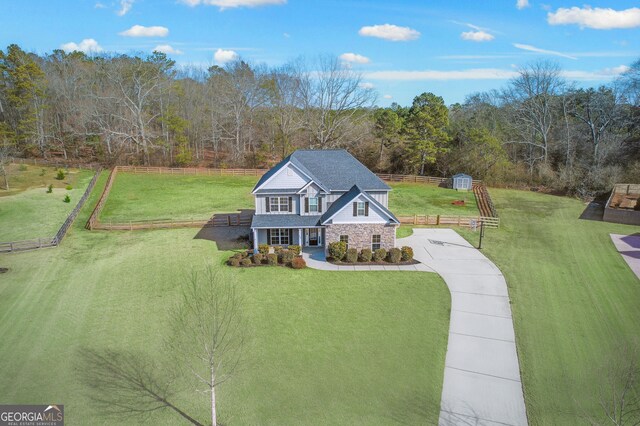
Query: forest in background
<point>539,130</point>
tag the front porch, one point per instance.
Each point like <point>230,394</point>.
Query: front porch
<point>313,237</point>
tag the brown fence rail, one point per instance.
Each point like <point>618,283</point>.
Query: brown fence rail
<point>191,171</point>
<point>483,199</point>
<point>38,243</point>
<point>417,179</point>
<point>439,220</point>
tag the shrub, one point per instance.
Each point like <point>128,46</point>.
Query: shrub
<point>337,250</point>
<point>60,175</point>
<point>298,263</point>
<point>43,172</point>
<point>67,199</point>
<point>263,249</point>
<point>244,254</point>
<point>296,249</point>
<point>379,255</point>
<point>352,255</point>
<point>272,259</point>
<point>49,189</point>
<point>234,261</point>
<point>366,255</point>
<point>258,258</point>
<point>286,256</point>
<point>245,262</point>
<point>22,167</point>
<point>277,249</point>
<point>69,187</point>
<point>407,253</point>
<point>394,256</point>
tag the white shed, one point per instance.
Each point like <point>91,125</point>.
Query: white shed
<point>462,182</point>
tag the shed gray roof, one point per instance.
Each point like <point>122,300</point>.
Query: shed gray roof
<point>332,169</point>
<point>461,175</point>
<point>284,221</point>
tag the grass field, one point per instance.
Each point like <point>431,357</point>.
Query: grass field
<point>575,300</point>
<point>417,198</point>
<point>367,350</point>
<point>159,196</point>
<point>28,211</point>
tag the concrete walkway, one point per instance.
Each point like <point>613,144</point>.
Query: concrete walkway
<point>629,248</point>
<point>316,259</point>
<point>482,376</point>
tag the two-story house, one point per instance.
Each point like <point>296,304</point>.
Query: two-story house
<point>315,197</point>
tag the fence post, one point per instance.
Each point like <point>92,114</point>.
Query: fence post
<point>438,220</point>
<point>415,219</point>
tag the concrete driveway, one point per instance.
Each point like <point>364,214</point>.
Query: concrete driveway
<point>482,375</point>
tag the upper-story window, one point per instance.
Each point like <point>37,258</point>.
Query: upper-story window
<point>361,209</point>
<point>279,204</point>
<point>313,204</point>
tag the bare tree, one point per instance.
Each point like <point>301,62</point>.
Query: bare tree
<point>531,97</point>
<point>619,397</point>
<point>208,333</point>
<point>6,158</point>
<point>126,384</point>
<point>334,98</point>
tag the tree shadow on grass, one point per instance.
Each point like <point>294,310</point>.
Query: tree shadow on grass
<point>126,384</point>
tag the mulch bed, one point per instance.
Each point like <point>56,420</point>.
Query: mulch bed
<point>383,263</point>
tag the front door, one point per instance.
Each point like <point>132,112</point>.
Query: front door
<point>313,237</point>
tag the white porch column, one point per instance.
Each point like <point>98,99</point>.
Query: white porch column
<point>300,241</point>
<point>255,241</point>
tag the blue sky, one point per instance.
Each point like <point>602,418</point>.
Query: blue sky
<point>403,48</point>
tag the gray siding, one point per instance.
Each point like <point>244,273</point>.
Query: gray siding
<point>346,215</point>
<point>288,177</point>
<point>261,204</point>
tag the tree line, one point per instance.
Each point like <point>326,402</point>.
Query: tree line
<point>539,129</point>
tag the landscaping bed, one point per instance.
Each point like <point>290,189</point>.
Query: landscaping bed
<point>339,254</point>
<point>269,256</point>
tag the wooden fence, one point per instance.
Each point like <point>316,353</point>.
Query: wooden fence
<point>417,179</point>
<point>440,220</point>
<point>191,171</point>
<point>38,243</point>
<point>483,199</point>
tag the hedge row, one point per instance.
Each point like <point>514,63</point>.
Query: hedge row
<point>338,252</point>
<point>281,257</point>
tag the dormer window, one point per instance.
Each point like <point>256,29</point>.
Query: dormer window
<point>313,204</point>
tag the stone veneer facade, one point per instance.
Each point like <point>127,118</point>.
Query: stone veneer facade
<point>360,234</point>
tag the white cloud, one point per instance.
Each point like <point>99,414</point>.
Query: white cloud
<point>354,58</point>
<point>88,45</point>
<point>230,4</point>
<point>125,7</point>
<point>286,35</point>
<point>142,31</point>
<point>469,74</point>
<point>543,51</point>
<point>476,36</point>
<point>99,5</point>
<point>596,18</point>
<point>367,85</point>
<point>521,4</point>
<point>388,97</point>
<point>223,56</point>
<point>603,74</point>
<point>168,49</point>
<point>389,32</point>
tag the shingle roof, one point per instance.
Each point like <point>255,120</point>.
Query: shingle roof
<point>347,198</point>
<point>284,221</point>
<point>333,169</point>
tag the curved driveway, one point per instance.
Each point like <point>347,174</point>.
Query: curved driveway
<point>482,376</point>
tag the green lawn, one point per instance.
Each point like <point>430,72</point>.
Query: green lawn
<point>421,199</point>
<point>575,300</point>
<point>28,211</point>
<point>160,196</point>
<point>367,350</point>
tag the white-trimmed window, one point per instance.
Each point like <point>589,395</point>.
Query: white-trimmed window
<point>345,239</point>
<point>313,204</point>
<point>279,204</point>
<point>361,208</point>
<point>375,242</point>
<point>279,237</point>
